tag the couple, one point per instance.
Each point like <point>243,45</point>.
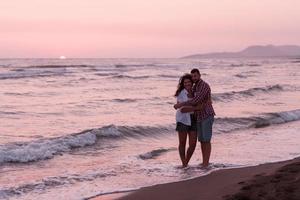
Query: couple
<point>194,116</point>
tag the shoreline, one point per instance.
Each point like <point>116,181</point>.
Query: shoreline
<point>213,186</point>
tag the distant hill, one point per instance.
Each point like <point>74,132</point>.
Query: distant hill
<point>255,51</point>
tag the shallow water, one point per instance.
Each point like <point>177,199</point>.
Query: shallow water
<point>71,129</point>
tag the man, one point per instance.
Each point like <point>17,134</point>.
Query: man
<point>205,116</point>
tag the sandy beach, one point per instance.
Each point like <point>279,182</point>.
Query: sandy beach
<point>279,180</point>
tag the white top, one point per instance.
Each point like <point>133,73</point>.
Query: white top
<point>184,118</point>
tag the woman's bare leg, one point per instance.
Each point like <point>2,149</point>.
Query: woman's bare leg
<point>181,148</point>
<point>192,145</point>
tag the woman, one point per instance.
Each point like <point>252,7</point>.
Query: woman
<point>185,122</point>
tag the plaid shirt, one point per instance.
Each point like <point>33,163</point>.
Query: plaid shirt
<point>202,94</point>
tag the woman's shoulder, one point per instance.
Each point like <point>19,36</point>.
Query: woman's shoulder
<point>182,93</point>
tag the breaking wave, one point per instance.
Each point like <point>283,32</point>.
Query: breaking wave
<point>225,125</point>
<point>50,182</point>
<point>227,96</point>
<point>47,148</point>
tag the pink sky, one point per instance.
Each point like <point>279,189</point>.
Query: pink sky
<point>140,28</point>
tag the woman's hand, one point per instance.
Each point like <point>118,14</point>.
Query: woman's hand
<point>177,105</point>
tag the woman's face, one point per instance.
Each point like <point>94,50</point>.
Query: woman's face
<point>187,83</point>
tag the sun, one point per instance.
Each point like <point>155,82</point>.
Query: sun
<point>62,57</point>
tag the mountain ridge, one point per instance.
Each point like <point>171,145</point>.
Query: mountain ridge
<point>254,51</point>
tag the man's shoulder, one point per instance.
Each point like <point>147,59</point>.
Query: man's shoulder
<point>202,83</point>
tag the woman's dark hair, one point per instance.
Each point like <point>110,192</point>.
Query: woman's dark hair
<point>180,86</point>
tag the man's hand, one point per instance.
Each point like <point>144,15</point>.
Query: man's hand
<point>187,109</point>
<point>177,105</point>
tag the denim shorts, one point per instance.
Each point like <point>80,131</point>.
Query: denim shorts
<point>204,129</point>
<point>180,127</point>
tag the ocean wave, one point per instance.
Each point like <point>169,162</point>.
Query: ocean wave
<point>134,65</point>
<point>50,182</point>
<point>227,96</point>
<point>295,61</point>
<point>44,148</point>
<point>129,77</point>
<point>170,76</point>
<point>128,65</point>
<point>32,74</point>
<point>47,148</point>
<point>58,66</point>
<point>247,74</point>
<point>144,77</point>
<point>154,153</point>
<point>162,100</point>
<point>236,65</point>
<point>241,76</point>
<point>245,64</point>
<point>278,118</point>
<point>126,100</point>
<point>106,74</point>
<point>18,93</point>
<point>253,65</point>
<point>226,125</point>
<point>4,113</point>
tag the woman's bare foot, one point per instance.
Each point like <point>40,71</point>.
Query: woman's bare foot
<point>184,164</point>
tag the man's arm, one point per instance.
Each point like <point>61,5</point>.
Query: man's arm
<point>200,97</point>
<point>187,109</point>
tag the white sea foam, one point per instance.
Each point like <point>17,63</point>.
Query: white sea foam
<point>44,149</point>
<point>50,182</point>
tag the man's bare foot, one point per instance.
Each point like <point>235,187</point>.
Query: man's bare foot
<point>185,167</point>
<point>204,166</point>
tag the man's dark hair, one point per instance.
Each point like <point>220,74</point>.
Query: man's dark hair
<point>195,71</point>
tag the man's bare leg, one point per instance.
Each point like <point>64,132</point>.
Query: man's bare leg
<point>206,151</point>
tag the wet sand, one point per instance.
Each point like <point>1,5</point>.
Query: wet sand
<point>280,181</point>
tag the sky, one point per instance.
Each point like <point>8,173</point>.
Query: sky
<point>142,28</point>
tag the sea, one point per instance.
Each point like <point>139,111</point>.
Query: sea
<point>80,128</point>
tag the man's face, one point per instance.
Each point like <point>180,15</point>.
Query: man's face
<point>195,77</point>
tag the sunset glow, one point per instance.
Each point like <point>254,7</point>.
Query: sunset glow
<point>132,28</point>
